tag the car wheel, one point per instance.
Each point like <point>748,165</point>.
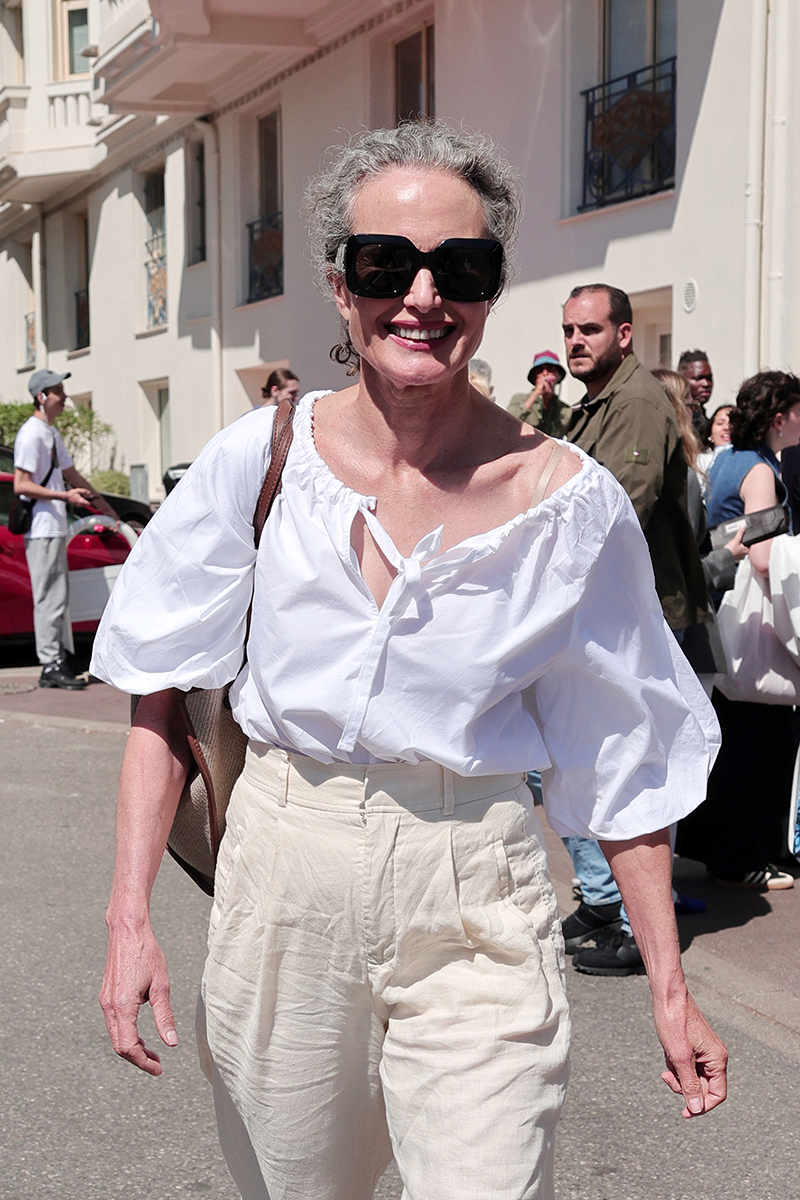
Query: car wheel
<point>136,523</point>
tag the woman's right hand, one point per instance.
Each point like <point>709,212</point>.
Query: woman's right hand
<point>136,973</point>
<point>154,770</point>
<point>735,545</point>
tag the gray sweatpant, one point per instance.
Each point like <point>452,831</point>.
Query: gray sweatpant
<point>47,565</point>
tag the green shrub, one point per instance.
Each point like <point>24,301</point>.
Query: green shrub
<point>86,437</point>
<point>13,414</point>
<point>111,481</point>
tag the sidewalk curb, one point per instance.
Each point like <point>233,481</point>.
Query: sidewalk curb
<point>24,718</point>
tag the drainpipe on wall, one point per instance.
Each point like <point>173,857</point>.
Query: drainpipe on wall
<point>754,187</point>
<point>776,183</point>
<point>214,225</point>
<point>39,281</point>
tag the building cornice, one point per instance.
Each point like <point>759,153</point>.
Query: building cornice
<point>348,34</point>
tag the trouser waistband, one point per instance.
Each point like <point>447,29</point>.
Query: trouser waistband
<point>384,787</point>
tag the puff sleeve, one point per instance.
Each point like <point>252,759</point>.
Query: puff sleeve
<point>178,611</point>
<point>629,731</point>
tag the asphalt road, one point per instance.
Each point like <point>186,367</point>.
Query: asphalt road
<point>77,1122</point>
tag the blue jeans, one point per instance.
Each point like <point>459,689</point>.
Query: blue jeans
<point>597,882</point>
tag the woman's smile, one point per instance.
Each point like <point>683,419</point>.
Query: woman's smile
<point>421,337</point>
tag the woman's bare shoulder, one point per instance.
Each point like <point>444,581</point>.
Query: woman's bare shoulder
<point>534,452</point>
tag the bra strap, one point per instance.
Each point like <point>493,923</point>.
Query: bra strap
<point>556,454</point>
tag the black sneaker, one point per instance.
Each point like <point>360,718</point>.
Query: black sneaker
<point>59,675</point>
<point>615,954</point>
<point>768,879</point>
<point>587,921</point>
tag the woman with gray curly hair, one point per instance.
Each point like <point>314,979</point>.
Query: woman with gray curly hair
<point>442,600</point>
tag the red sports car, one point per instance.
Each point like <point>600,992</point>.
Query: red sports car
<point>95,555</point>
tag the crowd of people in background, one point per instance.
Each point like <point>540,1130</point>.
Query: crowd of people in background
<point>687,468</point>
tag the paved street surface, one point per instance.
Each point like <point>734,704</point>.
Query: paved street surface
<point>77,1122</point>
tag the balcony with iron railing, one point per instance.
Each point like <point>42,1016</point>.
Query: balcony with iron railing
<point>629,147</point>
<point>30,340</point>
<point>265,258</point>
<point>82,331</point>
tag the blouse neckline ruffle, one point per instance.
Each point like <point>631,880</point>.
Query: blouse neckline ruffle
<point>328,486</point>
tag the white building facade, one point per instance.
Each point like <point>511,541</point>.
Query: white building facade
<point>153,158</point>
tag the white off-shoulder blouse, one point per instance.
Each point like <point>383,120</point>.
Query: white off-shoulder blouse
<point>538,645</point>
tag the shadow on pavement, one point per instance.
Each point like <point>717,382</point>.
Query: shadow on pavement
<point>728,908</point>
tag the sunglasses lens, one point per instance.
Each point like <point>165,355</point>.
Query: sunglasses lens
<point>382,270</point>
<point>467,269</point>
<point>467,273</point>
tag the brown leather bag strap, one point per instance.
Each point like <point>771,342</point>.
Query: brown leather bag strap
<point>281,441</point>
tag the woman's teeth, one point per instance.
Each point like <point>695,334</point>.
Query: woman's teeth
<point>419,335</point>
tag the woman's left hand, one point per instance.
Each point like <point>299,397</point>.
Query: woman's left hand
<point>696,1058</point>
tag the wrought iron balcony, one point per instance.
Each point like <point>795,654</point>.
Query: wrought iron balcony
<point>30,340</point>
<point>265,259</point>
<point>82,319</point>
<point>630,136</point>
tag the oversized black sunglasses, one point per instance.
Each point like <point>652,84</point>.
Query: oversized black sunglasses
<point>379,266</point>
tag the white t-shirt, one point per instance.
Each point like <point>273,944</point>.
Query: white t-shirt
<point>33,447</point>
<point>540,644</point>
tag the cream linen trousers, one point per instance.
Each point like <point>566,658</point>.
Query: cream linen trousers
<point>385,975</point>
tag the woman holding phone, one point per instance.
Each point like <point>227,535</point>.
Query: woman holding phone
<point>430,620</point>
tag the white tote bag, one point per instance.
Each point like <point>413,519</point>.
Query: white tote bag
<point>760,667</point>
<point>784,582</point>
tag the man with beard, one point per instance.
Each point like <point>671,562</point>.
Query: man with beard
<point>626,422</point>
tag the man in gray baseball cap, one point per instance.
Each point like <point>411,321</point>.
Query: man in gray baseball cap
<point>42,381</point>
<point>41,466</point>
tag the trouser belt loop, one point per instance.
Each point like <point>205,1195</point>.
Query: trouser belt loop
<point>448,807</point>
<point>283,779</point>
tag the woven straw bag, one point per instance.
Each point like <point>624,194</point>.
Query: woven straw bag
<point>216,742</point>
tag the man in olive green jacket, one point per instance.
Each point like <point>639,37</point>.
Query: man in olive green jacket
<point>628,424</point>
